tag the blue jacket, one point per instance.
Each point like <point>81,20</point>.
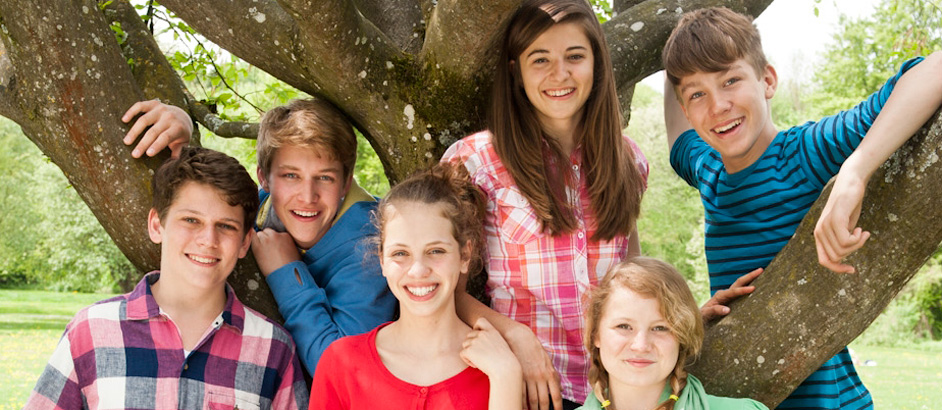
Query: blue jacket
<point>342,290</point>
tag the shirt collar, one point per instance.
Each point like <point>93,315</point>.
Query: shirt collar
<point>142,305</point>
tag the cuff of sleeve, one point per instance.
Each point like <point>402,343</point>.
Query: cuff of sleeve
<point>284,280</point>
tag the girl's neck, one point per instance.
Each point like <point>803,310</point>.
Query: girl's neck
<point>626,397</point>
<point>563,132</point>
<point>436,342</point>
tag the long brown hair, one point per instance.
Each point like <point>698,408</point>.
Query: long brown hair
<point>655,279</point>
<point>613,179</point>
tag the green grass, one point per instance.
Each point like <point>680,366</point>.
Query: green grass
<point>903,378</point>
<point>31,323</point>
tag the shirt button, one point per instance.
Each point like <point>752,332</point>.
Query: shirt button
<point>581,235</point>
<point>575,167</point>
<point>424,390</point>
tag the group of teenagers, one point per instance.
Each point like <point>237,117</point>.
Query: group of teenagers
<point>544,203</point>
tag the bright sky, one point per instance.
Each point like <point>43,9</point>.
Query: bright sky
<point>793,37</point>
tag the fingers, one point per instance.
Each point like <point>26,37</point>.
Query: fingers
<point>713,312</point>
<point>833,245</point>
<point>556,393</point>
<point>544,395</point>
<point>159,126</point>
<point>533,396</point>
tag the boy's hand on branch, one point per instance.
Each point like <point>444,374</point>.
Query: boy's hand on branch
<point>836,234</point>
<point>166,125</point>
<point>716,308</point>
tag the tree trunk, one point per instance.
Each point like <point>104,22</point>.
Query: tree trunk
<point>413,76</point>
<point>802,314</point>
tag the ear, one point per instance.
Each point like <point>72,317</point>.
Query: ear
<point>595,339</point>
<point>466,257</point>
<point>262,180</point>
<point>770,78</point>
<point>348,184</point>
<point>246,243</point>
<point>154,228</point>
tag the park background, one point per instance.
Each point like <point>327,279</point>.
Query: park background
<point>55,258</point>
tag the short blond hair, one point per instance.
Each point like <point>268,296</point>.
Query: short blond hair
<point>314,123</point>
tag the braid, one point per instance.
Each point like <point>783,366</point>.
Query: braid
<point>677,381</point>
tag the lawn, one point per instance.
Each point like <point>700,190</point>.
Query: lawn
<point>31,323</point>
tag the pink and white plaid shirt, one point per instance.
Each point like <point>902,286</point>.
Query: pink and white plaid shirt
<point>535,278</point>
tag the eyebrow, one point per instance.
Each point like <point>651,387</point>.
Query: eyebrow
<point>321,171</point>
<point>439,242</point>
<point>198,213</point>
<point>540,50</point>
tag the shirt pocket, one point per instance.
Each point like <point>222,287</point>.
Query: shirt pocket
<point>228,401</point>
<point>518,222</point>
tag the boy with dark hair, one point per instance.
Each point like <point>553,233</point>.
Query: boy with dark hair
<point>313,221</point>
<point>757,183</point>
<point>181,339</point>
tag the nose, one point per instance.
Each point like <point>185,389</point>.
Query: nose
<point>207,236</point>
<point>419,268</point>
<point>309,193</point>
<point>560,70</point>
<point>719,104</point>
<point>640,341</point>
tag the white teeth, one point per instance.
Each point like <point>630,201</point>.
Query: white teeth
<point>727,127</point>
<point>306,214</point>
<point>560,93</point>
<point>421,291</point>
<point>202,260</point>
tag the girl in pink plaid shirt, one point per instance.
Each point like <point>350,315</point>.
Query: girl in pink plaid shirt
<point>564,189</point>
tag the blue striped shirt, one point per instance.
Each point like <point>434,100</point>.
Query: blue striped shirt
<point>751,214</point>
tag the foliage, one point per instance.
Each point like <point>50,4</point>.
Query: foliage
<point>70,251</point>
<point>671,224</point>
<point>869,50</point>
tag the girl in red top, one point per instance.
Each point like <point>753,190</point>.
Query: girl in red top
<point>430,233</point>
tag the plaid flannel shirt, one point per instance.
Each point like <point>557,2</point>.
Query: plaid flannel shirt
<point>535,278</point>
<point>125,353</point>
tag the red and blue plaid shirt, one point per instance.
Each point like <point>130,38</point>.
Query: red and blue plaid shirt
<point>125,353</point>
<point>535,278</point>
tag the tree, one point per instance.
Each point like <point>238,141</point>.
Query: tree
<point>412,75</point>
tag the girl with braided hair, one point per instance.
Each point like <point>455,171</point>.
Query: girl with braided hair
<point>643,328</point>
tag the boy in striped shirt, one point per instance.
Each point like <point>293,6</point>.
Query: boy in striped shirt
<point>181,339</point>
<point>757,183</point>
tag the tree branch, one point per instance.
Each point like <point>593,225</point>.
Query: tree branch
<point>218,126</point>
<point>462,34</point>
<point>801,314</point>
<point>401,20</point>
<point>8,98</point>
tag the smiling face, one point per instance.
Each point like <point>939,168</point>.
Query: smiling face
<point>635,342</point>
<point>557,71</point>
<point>421,259</point>
<point>201,238</point>
<point>306,192</point>
<point>730,111</point>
